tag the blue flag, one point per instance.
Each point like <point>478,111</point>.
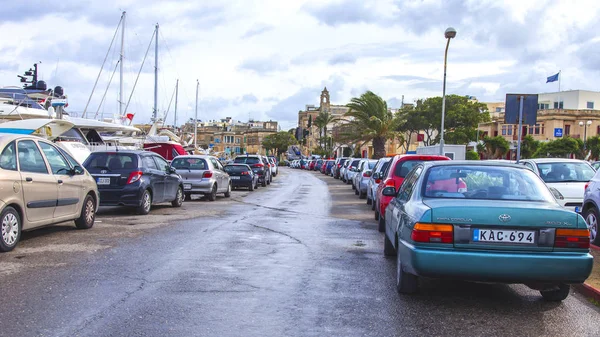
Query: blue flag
<point>552,78</point>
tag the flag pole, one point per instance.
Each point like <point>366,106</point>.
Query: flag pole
<point>559,81</point>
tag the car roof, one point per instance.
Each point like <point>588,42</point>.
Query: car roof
<point>126,152</point>
<point>555,160</point>
<point>472,163</point>
<point>197,156</point>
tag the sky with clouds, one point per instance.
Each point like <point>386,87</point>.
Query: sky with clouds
<point>267,59</point>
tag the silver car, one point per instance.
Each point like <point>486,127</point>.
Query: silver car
<point>351,171</point>
<point>202,174</point>
<point>375,179</point>
<point>361,179</point>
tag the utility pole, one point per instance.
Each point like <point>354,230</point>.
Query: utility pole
<point>176,94</point>
<point>121,55</point>
<point>196,119</point>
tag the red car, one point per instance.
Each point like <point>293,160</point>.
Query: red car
<point>394,176</point>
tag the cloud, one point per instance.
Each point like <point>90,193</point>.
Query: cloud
<point>257,30</point>
<point>264,65</point>
<point>342,59</point>
<point>342,12</point>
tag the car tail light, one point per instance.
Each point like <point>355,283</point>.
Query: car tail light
<point>433,233</point>
<point>390,182</point>
<point>572,238</point>
<point>258,165</point>
<point>134,176</point>
<point>366,175</point>
<point>245,173</point>
<point>586,186</point>
<point>339,165</point>
<point>207,174</point>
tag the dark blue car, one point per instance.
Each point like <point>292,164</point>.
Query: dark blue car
<point>134,178</point>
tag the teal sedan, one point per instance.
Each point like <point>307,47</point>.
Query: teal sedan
<point>504,227</point>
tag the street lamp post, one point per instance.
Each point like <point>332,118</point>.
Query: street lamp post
<point>585,131</point>
<point>449,34</point>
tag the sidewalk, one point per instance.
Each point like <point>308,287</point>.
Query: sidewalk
<point>591,287</point>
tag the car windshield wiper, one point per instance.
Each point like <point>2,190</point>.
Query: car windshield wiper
<point>568,181</point>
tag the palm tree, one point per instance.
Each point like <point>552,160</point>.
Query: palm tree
<point>321,121</point>
<point>370,121</point>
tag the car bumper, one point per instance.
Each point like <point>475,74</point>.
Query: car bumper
<point>243,182</point>
<point>127,196</point>
<point>384,201</point>
<point>363,186</point>
<point>502,267</point>
<point>198,186</point>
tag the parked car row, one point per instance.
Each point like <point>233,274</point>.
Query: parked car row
<point>41,184</point>
<point>484,221</point>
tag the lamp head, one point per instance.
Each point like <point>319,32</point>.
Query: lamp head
<point>589,122</point>
<point>450,33</point>
<point>580,123</point>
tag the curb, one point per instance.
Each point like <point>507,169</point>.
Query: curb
<point>588,291</point>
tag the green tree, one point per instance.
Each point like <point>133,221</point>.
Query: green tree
<point>461,118</point>
<point>529,146</point>
<point>410,120</point>
<point>593,146</point>
<point>493,148</point>
<point>560,148</point>
<point>321,121</point>
<point>472,155</point>
<point>371,121</point>
<point>279,142</point>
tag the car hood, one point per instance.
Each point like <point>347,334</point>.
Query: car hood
<point>507,213</point>
<point>570,190</point>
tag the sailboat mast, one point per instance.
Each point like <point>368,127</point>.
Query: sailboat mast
<point>155,112</point>
<point>196,119</point>
<point>176,95</point>
<point>121,66</point>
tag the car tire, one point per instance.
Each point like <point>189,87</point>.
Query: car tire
<point>355,191</point>
<point>251,187</point>
<point>353,187</point>
<point>87,215</point>
<point>145,204</point>
<point>228,193</point>
<point>376,215</point>
<point>212,196</point>
<point>264,183</point>
<point>388,248</point>
<point>372,204</point>
<point>362,195</point>
<point>10,225</point>
<point>381,224</point>
<point>369,201</point>
<point>188,197</point>
<point>406,283</point>
<point>178,201</point>
<point>591,218</point>
<point>556,295</point>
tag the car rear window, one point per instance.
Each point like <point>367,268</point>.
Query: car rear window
<point>246,160</point>
<point>189,163</point>
<point>372,164</point>
<point>236,168</point>
<point>355,163</point>
<point>110,161</point>
<point>403,167</point>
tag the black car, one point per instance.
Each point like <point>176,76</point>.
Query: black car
<point>259,166</point>
<point>337,166</point>
<point>241,175</point>
<point>134,178</point>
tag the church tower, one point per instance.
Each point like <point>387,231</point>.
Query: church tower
<point>325,100</point>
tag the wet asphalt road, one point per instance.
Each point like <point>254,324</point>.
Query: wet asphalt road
<point>301,257</point>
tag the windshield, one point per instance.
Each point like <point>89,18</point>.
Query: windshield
<point>564,172</point>
<point>485,182</point>
<point>189,164</point>
<point>246,160</point>
<point>236,168</point>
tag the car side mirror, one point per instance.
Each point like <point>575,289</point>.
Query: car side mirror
<point>367,173</point>
<point>171,169</point>
<point>77,170</point>
<point>376,175</point>
<point>389,191</point>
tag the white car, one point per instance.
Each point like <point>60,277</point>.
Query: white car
<point>567,176</point>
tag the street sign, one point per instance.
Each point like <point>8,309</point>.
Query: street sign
<point>511,108</point>
<point>211,145</point>
<point>558,132</point>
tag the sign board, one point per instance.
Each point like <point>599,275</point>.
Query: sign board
<point>558,132</point>
<point>511,108</point>
<point>59,102</point>
<point>211,145</point>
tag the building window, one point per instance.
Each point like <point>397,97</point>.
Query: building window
<point>237,140</point>
<point>510,130</point>
<point>567,130</point>
<point>590,105</point>
<point>543,106</point>
<point>598,130</point>
<point>217,140</point>
<point>558,105</point>
<point>237,149</point>
<point>498,109</point>
<point>504,130</point>
<point>536,129</point>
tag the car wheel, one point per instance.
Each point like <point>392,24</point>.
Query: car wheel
<point>146,204</point>
<point>381,224</point>
<point>388,248</point>
<point>591,218</point>
<point>353,187</point>
<point>188,197</point>
<point>251,187</point>
<point>11,229</point>
<point>178,198</point>
<point>228,193</point>
<point>264,183</point>
<point>212,196</point>
<point>372,204</point>
<point>87,215</point>
<point>406,283</point>
<point>556,295</point>
<point>362,195</point>
<point>376,215</point>
<point>369,201</point>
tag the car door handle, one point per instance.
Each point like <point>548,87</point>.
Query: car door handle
<point>28,179</point>
<point>60,181</point>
